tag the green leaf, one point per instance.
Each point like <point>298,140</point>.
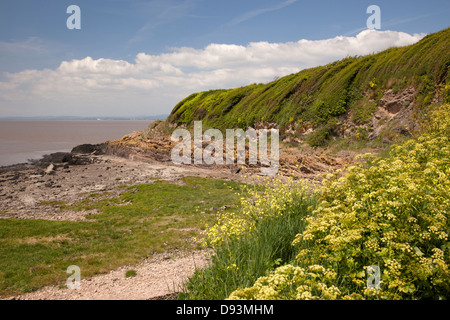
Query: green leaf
<point>410,288</point>
<point>418,252</point>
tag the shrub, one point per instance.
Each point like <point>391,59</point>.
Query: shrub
<point>446,93</point>
<point>321,135</point>
<point>390,212</point>
<point>280,285</point>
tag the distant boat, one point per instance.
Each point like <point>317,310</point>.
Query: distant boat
<point>99,119</point>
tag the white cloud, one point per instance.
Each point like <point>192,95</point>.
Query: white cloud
<point>153,84</point>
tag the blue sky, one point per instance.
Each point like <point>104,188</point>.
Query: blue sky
<point>141,57</point>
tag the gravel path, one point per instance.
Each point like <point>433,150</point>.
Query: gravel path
<point>156,278</point>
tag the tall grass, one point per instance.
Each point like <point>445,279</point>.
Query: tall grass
<point>239,261</point>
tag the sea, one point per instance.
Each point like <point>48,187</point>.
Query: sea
<point>21,140</point>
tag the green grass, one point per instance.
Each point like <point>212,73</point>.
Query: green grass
<point>130,274</point>
<point>92,203</point>
<point>35,253</point>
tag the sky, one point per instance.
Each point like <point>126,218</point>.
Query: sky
<point>133,58</point>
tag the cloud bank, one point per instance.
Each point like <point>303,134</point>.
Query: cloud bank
<point>153,84</point>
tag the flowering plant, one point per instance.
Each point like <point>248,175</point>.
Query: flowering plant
<point>270,201</point>
<point>391,212</point>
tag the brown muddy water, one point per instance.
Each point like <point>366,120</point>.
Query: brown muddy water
<point>24,140</point>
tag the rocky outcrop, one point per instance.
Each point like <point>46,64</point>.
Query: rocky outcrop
<point>392,117</point>
<point>394,113</point>
<point>90,148</point>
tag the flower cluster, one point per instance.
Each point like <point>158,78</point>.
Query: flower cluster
<point>392,212</point>
<point>271,200</point>
<point>289,282</point>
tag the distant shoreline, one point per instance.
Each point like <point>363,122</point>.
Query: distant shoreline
<point>46,159</point>
<point>45,118</point>
<point>22,140</point>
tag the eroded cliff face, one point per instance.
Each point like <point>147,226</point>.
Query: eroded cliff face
<point>393,116</point>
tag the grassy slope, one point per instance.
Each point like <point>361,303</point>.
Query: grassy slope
<point>315,96</point>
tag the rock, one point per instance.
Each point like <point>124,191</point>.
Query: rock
<point>308,132</point>
<point>89,148</point>
<point>401,130</point>
<point>235,171</point>
<point>305,169</point>
<point>54,158</point>
<point>50,169</point>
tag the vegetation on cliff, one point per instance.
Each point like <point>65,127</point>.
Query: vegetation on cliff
<point>315,98</point>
